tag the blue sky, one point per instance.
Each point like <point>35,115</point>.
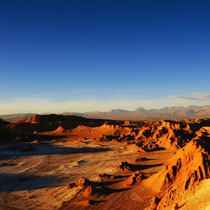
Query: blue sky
<point>60,56</point>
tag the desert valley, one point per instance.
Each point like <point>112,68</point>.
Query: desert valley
<point>104,105</point>
<point>71,162</point>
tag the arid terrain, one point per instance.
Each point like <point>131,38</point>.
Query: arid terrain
<point>72,162</point>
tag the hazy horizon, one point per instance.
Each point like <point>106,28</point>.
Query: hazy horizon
<point>131,110</point>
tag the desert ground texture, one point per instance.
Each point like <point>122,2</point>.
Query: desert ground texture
<point>71,162</point>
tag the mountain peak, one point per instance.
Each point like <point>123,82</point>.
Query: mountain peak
<point>141,109</point>
<point>119,111</point>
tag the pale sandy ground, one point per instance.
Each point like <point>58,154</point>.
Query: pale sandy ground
<point>200,199</point>
<point>37,179</point>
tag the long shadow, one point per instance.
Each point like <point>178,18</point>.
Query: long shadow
<point>105,183</point>
<point>15,182</point>
<point>156,149</point>
<point>45,149</point>
<point>133,167</point>
<point>67,205</point>
<point>11,136</point>
<point>144,159</point>
<point>43,137</point>
<point>108,191</point>
<point>53,150</point>
<point>142,167</point>
<point>19,182</point>
<point>96,202</point>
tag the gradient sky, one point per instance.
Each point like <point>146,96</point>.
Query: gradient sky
<point>58,56</point>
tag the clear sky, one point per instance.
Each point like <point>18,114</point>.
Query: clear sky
<point>68,55</point>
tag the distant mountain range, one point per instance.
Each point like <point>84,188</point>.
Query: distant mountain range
<point>15,117</point>
<point>190,112</point>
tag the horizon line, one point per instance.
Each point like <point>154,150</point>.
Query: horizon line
<point>60,113</point>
